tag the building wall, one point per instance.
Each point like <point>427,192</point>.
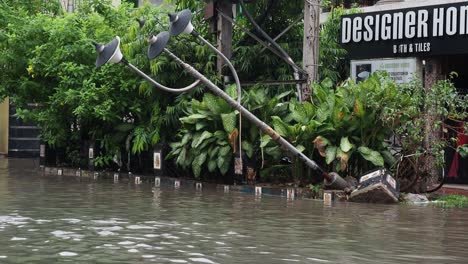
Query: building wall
<point>4,115</point>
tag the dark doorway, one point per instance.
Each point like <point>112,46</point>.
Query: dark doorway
<point>456,166</point>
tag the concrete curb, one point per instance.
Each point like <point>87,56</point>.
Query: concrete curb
<point>259,190</point>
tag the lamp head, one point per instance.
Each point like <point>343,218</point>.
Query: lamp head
<point>181,23</point>
<point>109,52</point>
<point>157,44</point>
<point>141,22</point>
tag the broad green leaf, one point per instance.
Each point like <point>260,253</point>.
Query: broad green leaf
<point>203,136</point>
<point>280,126</point>
<point>358,108</point>
<point>223,163</point>
<point>265,140</point>
<point>192,119</point>
<point>181,158</point>
<point>388,157</point>
<point>196,168</point>
<point>225,166</point>
<point>300,148</point>
<point>224,151</point>
<point>185,139</point>
<point>322,113</point>
<point>327,83</point>
<point>284,94</point>
<point>214,152</point>
<point>231,90</point>
<point>229,121</point>
<point>201,158</point>
<point>345,145</point>
<point>200,125</point>
<point>371,155</point>
<point>220,161</point>
<point>248,148</point>
<point>330,153</point>
<point>212,103</point>
<point>212,165</point>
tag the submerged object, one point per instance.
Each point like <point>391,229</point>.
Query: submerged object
<point>376,186</point>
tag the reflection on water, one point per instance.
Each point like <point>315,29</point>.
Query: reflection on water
<point>63,219</point>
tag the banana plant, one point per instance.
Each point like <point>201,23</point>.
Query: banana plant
<point>363,115</point>
<point>207,140</point>
<point>208,137</point>
<point>346,126</point>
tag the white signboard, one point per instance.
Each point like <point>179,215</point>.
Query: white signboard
<point>400,70</point>
<point>156,160</point>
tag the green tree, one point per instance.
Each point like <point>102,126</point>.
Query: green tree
<point>112,105</point>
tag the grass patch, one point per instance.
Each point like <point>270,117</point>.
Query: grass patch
<point>451,201</point>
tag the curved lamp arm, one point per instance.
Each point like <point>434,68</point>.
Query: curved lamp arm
<point>228,62</point>
<point>158,85</point>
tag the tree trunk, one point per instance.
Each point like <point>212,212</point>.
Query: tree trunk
<point>71,6</point>
<point>429,169</point>
<point>311,44</point>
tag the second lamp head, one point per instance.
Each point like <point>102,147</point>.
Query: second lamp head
<point>181,22</point>
<point>157,44</point>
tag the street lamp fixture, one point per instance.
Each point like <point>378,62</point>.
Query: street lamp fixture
<point>157,44</point>
<point>141,22</point>
<point>181,23</point>
<point>110,53</point>
<point>332,180</point>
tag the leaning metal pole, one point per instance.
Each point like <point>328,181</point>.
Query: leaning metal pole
<point>332,180</point>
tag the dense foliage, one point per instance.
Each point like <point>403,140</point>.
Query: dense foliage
<point>76,102</point>
<point>46,58</point>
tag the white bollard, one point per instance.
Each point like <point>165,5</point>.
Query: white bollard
<point>328,198</point>
<point>59,172</point>
<point>96,175</point>
<point>177,184</point>
<point>198,186</point>
<point>290,194</point>
<point>157,182</point>
<point>226,188</point>
<point>116,177</point>
<point>258,191</point>
<point>137,180</point>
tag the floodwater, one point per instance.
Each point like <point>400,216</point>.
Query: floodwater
<point>62,219</point>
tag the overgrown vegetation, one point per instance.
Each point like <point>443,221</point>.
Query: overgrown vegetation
<point>451,201</point>
<point>46,58</point>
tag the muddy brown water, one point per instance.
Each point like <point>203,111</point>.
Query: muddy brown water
<point>64,219</point>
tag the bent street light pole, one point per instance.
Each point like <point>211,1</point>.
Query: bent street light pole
<point>332,180</point>
<point>111,53</point>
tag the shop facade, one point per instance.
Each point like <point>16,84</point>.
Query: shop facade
<point>422,39</point>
